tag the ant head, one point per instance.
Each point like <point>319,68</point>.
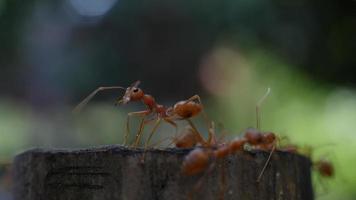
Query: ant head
<point>133,93</point>
<point>253,136</point>
<point>269,137</point>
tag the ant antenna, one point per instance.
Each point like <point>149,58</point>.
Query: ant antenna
<point>135,84</point>
<point>265,166</point>
<point>81,105</point>
<point>258,117</point>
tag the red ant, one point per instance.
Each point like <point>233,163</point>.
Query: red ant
<point>204,159</point>
<point>183,110</point>
<point>198,159</point>
<point>187,139</point>
<point>261,141</point>
<point>324,167</point>
<point>194,162</point>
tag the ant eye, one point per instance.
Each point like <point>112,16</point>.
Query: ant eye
<point>135,90</point>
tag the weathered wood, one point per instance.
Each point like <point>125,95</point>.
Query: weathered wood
<point>115,172</point>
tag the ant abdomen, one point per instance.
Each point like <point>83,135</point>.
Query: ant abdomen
<point>237,144</point>
<point>222,151</point>
<point>186,109</point>
<point>325,168</point>
<point>187,140</point>
<point>195,162</point>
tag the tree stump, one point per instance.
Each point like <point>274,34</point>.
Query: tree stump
<point>116,172</point>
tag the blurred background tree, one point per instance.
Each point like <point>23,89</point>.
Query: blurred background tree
<point>53,53</point>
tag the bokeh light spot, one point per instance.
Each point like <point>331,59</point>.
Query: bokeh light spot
<point>92,8</point>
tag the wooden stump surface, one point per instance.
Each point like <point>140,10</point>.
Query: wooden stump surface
<point>115,172</point>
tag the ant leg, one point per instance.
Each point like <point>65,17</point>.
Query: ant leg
<point>164,139</point>
<point>139,133</point>
<point>323,187</point>
<point>158,122</point>
<point>85,101</point>
<point>159,142</point>
<point>139,113</point>
<point>212,137</point>
<point>195,97</point>
<point>265,166</point>
<point>171,122</point>
<point>223,132</point>
<point>199,137</point>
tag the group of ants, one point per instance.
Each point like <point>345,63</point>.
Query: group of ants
<point>204,151</point>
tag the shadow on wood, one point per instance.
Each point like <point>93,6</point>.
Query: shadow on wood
<point>115,172</point>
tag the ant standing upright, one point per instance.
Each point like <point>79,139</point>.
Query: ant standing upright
<point>182,110</point>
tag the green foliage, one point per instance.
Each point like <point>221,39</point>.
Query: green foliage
<point>306,112</point>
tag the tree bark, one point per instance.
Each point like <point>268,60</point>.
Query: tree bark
<point>116,172</point>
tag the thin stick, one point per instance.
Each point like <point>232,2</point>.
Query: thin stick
<point>264,167</point>
<point>80,106</point>
<point>258,117</point>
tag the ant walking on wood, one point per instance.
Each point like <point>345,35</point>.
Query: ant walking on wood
<point>182,110</point>
<point>198,159</point>
<point>206,158</point>
<point>188,138</point>
<point>261,141</point>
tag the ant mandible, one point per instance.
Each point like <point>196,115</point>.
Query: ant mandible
<point>182,110</point>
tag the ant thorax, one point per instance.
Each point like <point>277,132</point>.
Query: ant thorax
<point>149,101</point>
<point>161,110</point>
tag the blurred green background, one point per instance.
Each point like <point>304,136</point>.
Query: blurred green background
<point>54,53</point>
